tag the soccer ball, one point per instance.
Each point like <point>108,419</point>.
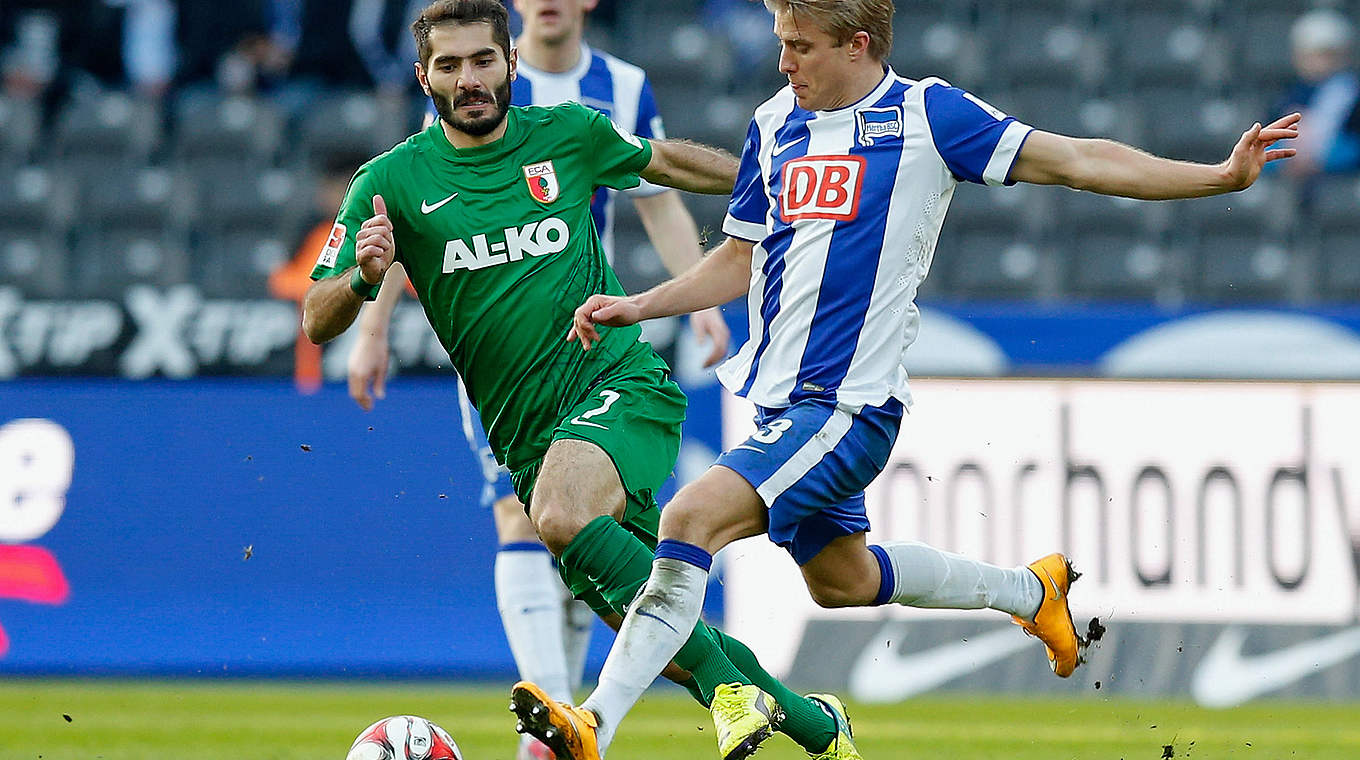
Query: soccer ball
<point>404,737</point>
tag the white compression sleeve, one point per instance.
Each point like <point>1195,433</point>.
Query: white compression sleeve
<point>928,577</point>
<point>659,622</point>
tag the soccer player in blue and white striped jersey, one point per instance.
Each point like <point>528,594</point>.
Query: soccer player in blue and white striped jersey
<point>845,178</point>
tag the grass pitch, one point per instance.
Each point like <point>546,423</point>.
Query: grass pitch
<point>265,720</point>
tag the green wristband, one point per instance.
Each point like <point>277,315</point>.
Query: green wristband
<point>359,285</point>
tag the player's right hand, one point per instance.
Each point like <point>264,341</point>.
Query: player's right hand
<point>368,369</point>
<point>613,311</point>
<point>374,245</point>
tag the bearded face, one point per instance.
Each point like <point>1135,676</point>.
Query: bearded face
<point>476,111</point>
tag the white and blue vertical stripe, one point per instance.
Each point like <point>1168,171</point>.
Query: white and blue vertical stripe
<point>831,300</point>
<point>612,86</point>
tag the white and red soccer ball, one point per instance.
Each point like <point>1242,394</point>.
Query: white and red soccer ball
<point>404,737</point>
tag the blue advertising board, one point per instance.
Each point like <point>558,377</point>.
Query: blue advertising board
<point>238,527</point>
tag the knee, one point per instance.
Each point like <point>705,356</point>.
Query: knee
<point>684,520</point>
<point>832,596</point>
<point>556,526</point>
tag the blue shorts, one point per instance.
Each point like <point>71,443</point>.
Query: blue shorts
<point>497,485</point>
<point>810,463</point>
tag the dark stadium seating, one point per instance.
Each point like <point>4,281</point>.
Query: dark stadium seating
<point>208,174</point>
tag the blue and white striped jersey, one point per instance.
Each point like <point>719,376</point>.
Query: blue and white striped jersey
<point>845,208</point>
<point>615,87</point>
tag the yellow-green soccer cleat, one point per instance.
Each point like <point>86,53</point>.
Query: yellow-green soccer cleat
<point>843,746</point>
<point>568,731</point>
<point>744,716</point>
<point>1052,624</point>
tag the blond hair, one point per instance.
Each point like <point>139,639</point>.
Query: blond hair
<point>842,18</point>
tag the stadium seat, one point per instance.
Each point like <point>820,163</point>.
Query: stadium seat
<point>931,44</point>
<point>1334,202</point>
<point>107,262</point>
<point>274,199</point>
<point>1167,50</point>
<point>1018,211</point>
<point>19,124</point>
<point>1259,39</point>
<point>348,123</point>
<point>237,264</point>
<point>137,197</point>
<point>988,264</point>
<point>208,128</point>
<point>33,262</point>
<point>108,126</point>
<point>1117,264</point>
<point>36,198</point>
<point>1235,267</point>
<point>1037,49</point>
<point>1339,251</point>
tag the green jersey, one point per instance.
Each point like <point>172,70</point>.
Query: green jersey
<point>501,248</point>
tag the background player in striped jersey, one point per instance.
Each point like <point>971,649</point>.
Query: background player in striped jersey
<point>548,637</point>
<point>845,178</point>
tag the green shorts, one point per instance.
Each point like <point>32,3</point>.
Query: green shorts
<point>634,414</point>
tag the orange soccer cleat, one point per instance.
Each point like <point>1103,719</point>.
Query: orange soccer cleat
<point>568,731</point>
<point>1052,624</point>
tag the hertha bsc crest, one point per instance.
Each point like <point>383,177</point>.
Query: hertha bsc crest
<point>542,179</point>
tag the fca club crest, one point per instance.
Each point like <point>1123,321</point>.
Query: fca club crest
<point>542,179</point>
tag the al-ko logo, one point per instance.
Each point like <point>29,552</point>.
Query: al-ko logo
<point>37,460</point>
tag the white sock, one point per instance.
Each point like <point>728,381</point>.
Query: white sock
<point>927,577</point>
<point>659,622</point>
<point>578,621</point>
<point>530,604</point>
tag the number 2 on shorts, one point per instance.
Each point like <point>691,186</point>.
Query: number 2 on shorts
<point>609,398</point>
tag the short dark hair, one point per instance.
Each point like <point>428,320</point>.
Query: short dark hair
<point>461,12</point>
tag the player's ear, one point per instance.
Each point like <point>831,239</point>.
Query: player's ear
<point>589,5</point>
<point>513,62</point>
<point>423,79</point>
<point>859,45</point>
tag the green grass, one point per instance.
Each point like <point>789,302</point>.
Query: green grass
<point>194,720</point>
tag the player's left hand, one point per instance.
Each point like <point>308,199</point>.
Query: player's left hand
<point>1252,152</point>
<point>613,311</point>
<point>709,324</point>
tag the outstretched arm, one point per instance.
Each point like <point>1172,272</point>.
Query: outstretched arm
<point>690,166</point>
<point>676,240</point>
<point>723,275</point>
<point>1110,168</point>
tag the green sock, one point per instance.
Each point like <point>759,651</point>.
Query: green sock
<point>618,563</point>
<point>692,686</point>
<point>805,721</point>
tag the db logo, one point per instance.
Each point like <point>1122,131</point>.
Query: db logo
<point>821,187</point>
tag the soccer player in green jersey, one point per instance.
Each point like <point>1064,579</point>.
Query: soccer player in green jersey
<point>549,638</point>
<point>488,211</point>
